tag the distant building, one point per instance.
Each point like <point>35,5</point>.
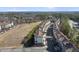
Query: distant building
<point>5,25</point>
<point>74,24</point>
<point>0,27</point>
<point>9,25</point>
<point>52,18</point>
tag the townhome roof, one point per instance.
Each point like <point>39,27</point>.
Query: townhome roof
<point>4,22</point>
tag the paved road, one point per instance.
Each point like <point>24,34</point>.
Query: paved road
<point>52,44</point>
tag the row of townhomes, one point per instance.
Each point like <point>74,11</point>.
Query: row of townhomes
<point>40,35</point>
<point>5,24</point>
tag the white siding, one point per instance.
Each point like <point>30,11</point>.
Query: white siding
<point>9,25</point>
<point>0,28</point>
<point>71,23</point>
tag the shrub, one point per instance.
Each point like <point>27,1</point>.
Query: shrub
<point>29,39</point>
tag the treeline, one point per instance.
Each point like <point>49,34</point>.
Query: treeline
<point>19,18</point>
<point>71,15</point>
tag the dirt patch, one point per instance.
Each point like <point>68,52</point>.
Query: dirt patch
<point>14,37</point>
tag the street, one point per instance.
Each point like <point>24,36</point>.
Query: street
<point>52,44</point>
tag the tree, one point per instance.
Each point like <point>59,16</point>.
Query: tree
<point>65,27</point>
<point>41,16</point>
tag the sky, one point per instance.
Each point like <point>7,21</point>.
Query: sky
<point>35,9</point>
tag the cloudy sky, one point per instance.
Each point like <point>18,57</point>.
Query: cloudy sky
<point>9,9</point>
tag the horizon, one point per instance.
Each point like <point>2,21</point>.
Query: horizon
<point>39,9</point>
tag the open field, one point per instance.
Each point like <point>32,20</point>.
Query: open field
<point>14,37</point>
